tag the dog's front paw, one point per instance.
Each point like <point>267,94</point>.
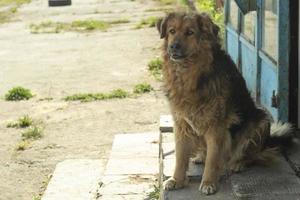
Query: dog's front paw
<point>172,184</point>
<point>208,188</point>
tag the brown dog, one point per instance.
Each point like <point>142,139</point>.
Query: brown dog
<point>215,117</point>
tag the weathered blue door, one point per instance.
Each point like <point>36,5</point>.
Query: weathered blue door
<point>261,51</point>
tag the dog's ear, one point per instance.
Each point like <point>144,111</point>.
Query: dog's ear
<point>161,25</point>
<point>206,25</point>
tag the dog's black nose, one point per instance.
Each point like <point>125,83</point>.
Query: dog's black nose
<point>175,46</point>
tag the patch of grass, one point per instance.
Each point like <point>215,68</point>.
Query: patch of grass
<point>114,94</point>
<point>48,27</point>
<point>15,2</point>
<point>158,9</point>
<point>119,93</point>
<point>155,68</point>
<point>25,121</point>
<point>23,145</point>
<point>87,97</point>
<point>4,17</point>
<point>13,9</point>
<point>18,94</point>
<point>37,197</point>
<point>119,21</point>
<point>89,25</point>
<point>33,132</point>
<point>46,99</point>
<point>148,22</point>
<point>78,25</point>
<point>142,88</point>
<point>154,194</point>
<point>167,2</point>
<point>22,122</point>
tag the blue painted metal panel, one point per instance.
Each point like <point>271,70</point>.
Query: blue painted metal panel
<point>249,65</point>
<point>268,84</point>
<point>232,44</point>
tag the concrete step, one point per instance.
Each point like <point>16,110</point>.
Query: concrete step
<point>132,169</point>
<point>77,179</point>
<point>278,181</point>
<point>131,172</point>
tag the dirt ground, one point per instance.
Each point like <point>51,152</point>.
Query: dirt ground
<point>57,65</point>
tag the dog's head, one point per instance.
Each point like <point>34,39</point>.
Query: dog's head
<point>186,34</point>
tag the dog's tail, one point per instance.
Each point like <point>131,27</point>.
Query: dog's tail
<point>281,137</point>
<point>281,134</point>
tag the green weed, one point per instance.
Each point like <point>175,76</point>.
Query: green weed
<point>154,194</point>
<point>46,99</point>
<point>15,2</point>
<point>33,132</point>
<point>142,88</point>
<point>155,68</point>
<point>18,93</point>
<point>23,145</point>
<point>22,122</point>
<point>87,97</point>
<point>78,25</point>
<point>119,21</point>
<point>88,25</point>
<point>148,22</point>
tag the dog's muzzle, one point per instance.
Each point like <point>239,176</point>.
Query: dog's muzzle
<point>175,51</point>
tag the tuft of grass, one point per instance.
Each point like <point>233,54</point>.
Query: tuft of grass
<point>46,99</point>
<point>154,194</point>
<point>119,21</point>
<point>25,121</point>
<point>13,10</point>
<point>78,25</point>
<point>87,97</point>
<point>22,122</point>
<point>142,88</point>
<point>33,132</point>
<point>23,145</point>
<point>6,14</point>
<point>18,94</point>
<point>167,2</point>
<point>14,2</point>
<point>148,22</point>
<point>155,68</point>
<point>4,17</point>
<point>47,27</point>
<point>12,125</point>
<point>158,9</point>
<point>119,93</point>
<point>88,25</point>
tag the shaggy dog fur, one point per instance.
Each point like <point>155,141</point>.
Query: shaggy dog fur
<point>215,116</point>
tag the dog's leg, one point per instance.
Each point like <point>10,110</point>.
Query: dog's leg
<point>218,148</point>
<point>201,153</point>
<point>183,148</point>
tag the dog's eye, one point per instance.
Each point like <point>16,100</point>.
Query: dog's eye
<point>190,33</point>
<point>172,31</point>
